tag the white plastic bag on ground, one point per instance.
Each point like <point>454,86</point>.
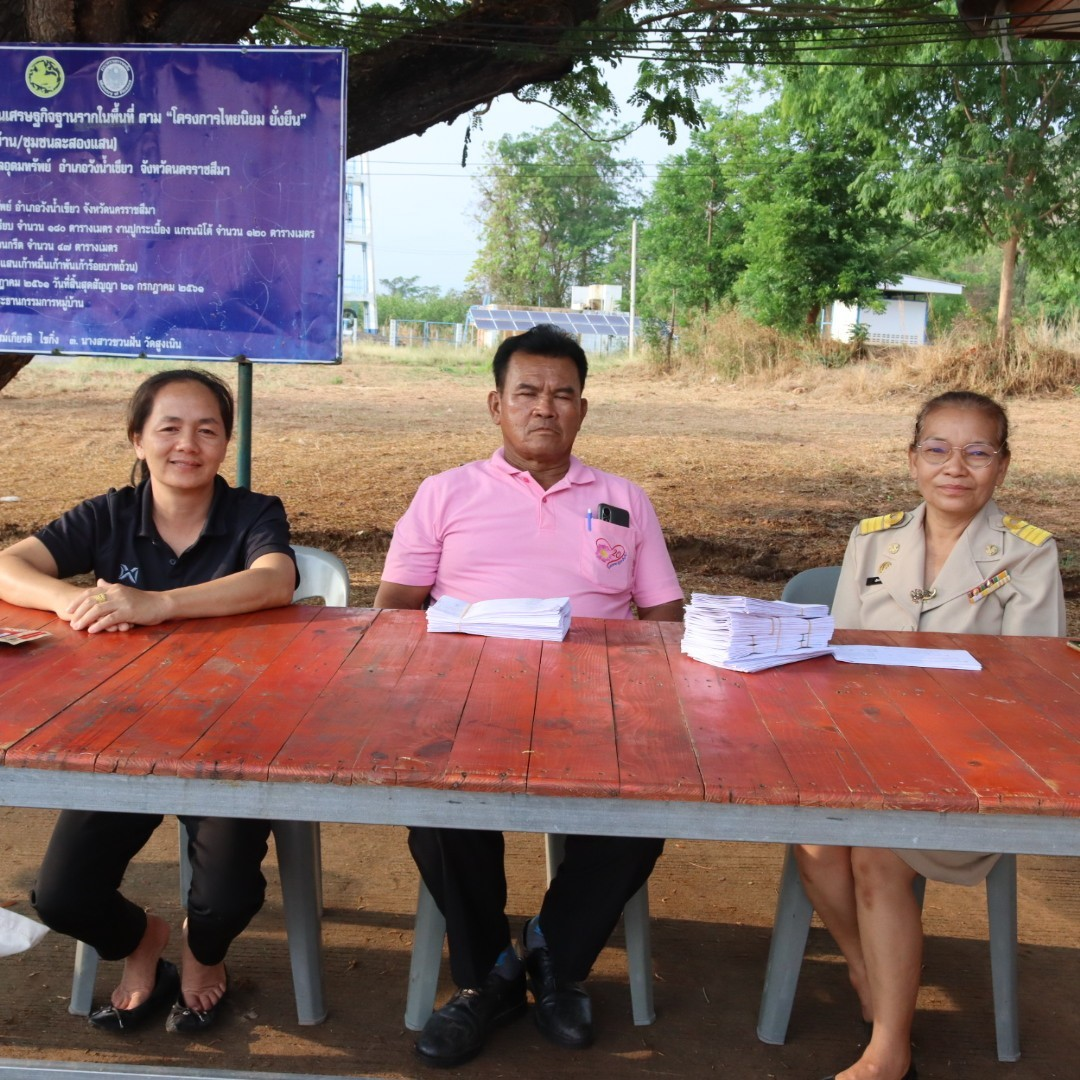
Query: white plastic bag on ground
<point>18,933</point>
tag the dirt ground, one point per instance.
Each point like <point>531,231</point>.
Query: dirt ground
<point>752,484</point>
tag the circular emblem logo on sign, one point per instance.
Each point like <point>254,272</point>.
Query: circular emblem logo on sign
<point>115,77</point>
<point>44,77</point>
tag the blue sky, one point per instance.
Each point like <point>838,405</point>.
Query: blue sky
<point>423,201</point>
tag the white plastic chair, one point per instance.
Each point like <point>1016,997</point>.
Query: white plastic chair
<point>814,586</point>
<point>791,924</point>
<point>430,929</point>
<point>321,574</point>
<point>297,843</point>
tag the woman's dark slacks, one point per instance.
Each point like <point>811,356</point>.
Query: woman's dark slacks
<point>78,886</point>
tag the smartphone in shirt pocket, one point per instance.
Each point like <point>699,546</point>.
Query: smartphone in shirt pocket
<point>608,552</point>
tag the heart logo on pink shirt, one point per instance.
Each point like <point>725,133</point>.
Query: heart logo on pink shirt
<point>610,554</point>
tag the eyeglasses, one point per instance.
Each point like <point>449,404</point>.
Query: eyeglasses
<point>976,455</point>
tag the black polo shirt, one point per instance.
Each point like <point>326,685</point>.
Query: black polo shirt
<point>114,537</point>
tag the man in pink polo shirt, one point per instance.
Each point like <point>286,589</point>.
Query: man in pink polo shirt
<point>531,520</point>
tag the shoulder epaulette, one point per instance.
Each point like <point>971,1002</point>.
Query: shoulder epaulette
<point>885,521</point>
<point>1031,533</point>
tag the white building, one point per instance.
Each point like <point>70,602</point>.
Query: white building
<point>595,297</point>
<point>904,320</point>
<point>359,261</point>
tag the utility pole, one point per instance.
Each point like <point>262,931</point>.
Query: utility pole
<point>633,282</point>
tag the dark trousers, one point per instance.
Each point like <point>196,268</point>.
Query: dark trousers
<point>78,886</point>
<point>463,869</point>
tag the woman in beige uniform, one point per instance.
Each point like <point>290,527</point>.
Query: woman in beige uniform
<point>955,564</point>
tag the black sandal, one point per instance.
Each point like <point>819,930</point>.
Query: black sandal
<point>166,987</point>
<point>184,1020</point>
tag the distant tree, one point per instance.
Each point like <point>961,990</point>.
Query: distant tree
<point>762,212</point>
<point>551,205</point>
<point>691,225</point>
<point>406,288</point>
<point>430,305</point>
<point>977,137</point>
<point>810,235</point>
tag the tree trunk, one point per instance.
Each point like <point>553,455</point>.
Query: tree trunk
<point>437,73</point>
<point>1009,251</point>
<point>10,366</point>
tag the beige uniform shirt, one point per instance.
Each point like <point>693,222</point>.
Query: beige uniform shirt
<point>1011,566</point>
<point>884,565</point>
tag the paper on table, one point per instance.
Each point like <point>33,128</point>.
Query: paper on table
<point>751,664</point>
<point>897,656</point>
<point>746,634</point>
<point>13,635</point>
<point>750,605</point>
<point>538,620</point>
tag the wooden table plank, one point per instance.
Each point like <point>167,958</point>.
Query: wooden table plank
<point>1055,658</point>
<point>999,778</point>
<point>24,619</point>
<point>146,717</point>
<point>738,759</point>
<point>573,744</point>
<point>252,730</point>
<point>424,710</point>
<point>339,696</point>
<point>657,759</point>
<point>825,768</point>
<point>46,676</point>
<point>902,764</point>
<point>332,737</point>
<point>1035,716</point>
<point>492,748</point>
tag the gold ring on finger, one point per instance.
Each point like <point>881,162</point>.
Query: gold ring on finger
<point>100,598</point>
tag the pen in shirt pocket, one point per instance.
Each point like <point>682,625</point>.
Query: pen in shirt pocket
<point>588,519</point>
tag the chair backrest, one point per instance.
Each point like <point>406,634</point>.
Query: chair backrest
<point>321,574</point>
<point>814,586</point>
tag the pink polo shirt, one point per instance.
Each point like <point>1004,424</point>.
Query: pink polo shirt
<point>489,531</point>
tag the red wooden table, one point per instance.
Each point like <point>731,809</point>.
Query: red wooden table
<point>310,713</point>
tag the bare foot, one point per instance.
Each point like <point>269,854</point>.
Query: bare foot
<point>874,1068</point>
<point>140,968</point>
<point>201,986</point>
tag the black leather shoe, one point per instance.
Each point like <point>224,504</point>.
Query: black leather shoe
<point>166,986</point>
<point>184,1020</point>
<point>563,1011</point>
<point>456,1033</point>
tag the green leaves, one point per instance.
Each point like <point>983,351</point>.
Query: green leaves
<point>552,205</point>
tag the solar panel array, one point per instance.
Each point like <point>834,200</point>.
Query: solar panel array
<point>607,324</point>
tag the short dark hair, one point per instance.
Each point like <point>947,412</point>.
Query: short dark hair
<point>966,399</point>
<point>142,401</point>
<point>544,339</point>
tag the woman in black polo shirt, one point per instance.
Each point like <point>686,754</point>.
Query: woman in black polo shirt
<point>179,543</point>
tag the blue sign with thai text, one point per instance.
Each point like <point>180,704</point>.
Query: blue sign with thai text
<point>172,201</point>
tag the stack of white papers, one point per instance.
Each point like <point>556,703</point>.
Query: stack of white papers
<point>537,620</point>
<point>745,634</point>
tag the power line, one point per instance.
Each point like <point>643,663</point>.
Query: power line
<point>684,44</point>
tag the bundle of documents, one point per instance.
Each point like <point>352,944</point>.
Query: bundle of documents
<point>538,620</point>
<point>745,634</point>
